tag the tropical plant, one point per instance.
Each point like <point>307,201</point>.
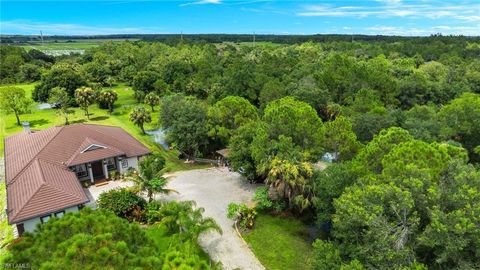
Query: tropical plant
<point>152,99</point>
<point>148,179</point>
<point>123,202</point>
<point>242,215</point>
<point>186,220</point>
<point>85,96</point>
<point>108,97</point>
<point>139,116</point>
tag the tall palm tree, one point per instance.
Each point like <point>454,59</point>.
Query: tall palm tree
<point>139,116</point>
<point>149,178</point>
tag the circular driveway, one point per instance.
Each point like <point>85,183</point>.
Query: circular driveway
<point>213,189</point>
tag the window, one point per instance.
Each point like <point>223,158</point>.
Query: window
<point>45,219</point>
<point>111,164</point>
<point>60,214</point>
<point>124,163</point>
<point>80,170</point>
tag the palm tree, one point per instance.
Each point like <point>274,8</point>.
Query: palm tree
<point>152,99</point>
<point>291,180</point>
<point>139,116</point>
<point>186,220</point>
<point>108,97</point>
<point>149,178</point>
<point>85,96</point>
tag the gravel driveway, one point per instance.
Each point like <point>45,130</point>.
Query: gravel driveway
<point>213,189</point>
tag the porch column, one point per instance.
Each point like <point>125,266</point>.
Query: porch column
<point>90,172</point>
<point>105,169</point>
<point>119,164</point>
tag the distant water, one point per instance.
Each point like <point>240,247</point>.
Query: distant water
<point>43,106</point>
<point>158,137</point>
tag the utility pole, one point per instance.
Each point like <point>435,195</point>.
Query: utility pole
<point>181,36</point>
<point>253,38</point>
<point>41,36</point>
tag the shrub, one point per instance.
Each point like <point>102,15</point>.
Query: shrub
<point>124,203</point>
<point>262,199</point>
<point>152,214</point>
<point>243,215</point>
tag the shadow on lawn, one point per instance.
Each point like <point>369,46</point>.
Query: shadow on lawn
<point>38,122</point>
<point>99,118</point>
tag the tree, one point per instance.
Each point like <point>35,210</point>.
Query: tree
<point>297,120</point>
<point>461,121</point>
<point>139,116</point>
<point>291,181</point>
<point>13,100</point>
<point>108,97</point>
<point>88,239</point>
<point>340,139</point>
<point>240,156</point>
<point>85,96</point>
<point>329,185</point>
<point>144,81</point>
<point>149,178</point>
<point>186,220</point>
<point>123,202</point>
<point>422,122</point>
<point>60,101</point>
<point>370,157</point>
<point>185,120</point>
<point>229,114</point>
<point>63,75</point>
<point>375,224</point>
<point>152,99</point>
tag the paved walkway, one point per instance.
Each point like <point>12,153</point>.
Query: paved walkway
<point>213,189</point>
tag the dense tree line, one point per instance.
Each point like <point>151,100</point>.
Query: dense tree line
<point>399,117</point>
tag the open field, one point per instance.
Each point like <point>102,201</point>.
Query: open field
<point>41,119</point>
<point>80,44</point>
<point>279,242</point>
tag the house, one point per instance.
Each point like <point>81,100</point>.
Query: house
<point>44,170</point>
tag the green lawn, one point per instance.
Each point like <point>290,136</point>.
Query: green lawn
<point>41,119</point>
<point>81,44</point>
<point>279,242</point>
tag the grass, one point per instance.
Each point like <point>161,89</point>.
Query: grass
<point>6,231</point>
<point>64,45</point>
<point>42,119</point>
<point>279,242</point>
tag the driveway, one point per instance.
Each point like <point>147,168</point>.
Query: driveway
<point>213,189</point>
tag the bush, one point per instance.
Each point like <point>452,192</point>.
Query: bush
<point>152,214</point>
<point>243,215</point>
<point>124,203</point>
<point>263,201</point>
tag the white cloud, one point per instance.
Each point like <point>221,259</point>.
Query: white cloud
<point>29,27</point>
<point>424,31</point>
<point>468,12</point>
<point>202,2</point>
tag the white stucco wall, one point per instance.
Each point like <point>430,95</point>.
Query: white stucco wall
<point>132,163</point>
<point>31,224</point>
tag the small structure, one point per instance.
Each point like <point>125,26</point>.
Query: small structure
<point>44,169</point>
<point>222,156</point>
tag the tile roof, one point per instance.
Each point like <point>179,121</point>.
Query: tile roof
<point>36,165</point>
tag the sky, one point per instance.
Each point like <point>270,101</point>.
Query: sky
<point>384,17</point>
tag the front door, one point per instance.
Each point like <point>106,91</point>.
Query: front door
<point>97,170</point>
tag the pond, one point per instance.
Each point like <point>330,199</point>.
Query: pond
<point>43,106</point>
<point>158,137</point>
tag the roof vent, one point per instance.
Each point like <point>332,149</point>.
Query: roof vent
<point>26,126</point>
<point>93,147</point>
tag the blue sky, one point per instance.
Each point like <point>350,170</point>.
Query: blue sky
<point>388,17</point>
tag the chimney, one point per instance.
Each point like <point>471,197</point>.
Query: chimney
<point>26,126</point>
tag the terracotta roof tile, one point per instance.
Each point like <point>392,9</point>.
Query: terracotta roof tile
<point>38,179</point>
